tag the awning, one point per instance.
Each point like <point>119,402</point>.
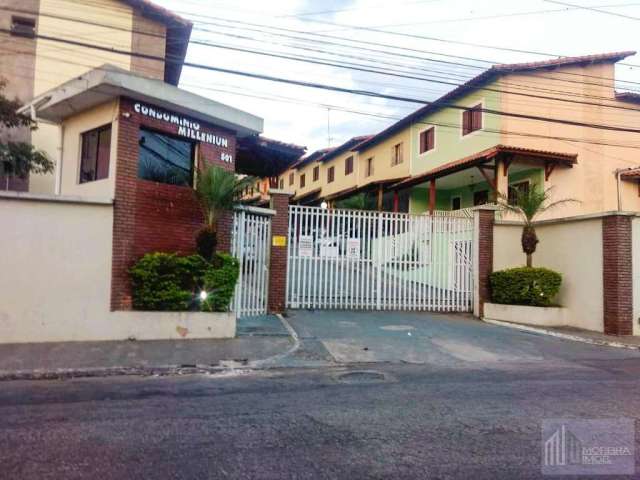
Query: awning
<point>368,186</point>
<point>632,174</point>
<point>107,82</point>
<point>486,156</point>
<point>307,196</point>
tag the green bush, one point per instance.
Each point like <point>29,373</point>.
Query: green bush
<point>220,283</point>
<point>525,286</point>
<point>170,282</point>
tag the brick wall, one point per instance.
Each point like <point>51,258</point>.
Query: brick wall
<point>485,257</point>
<point>151,216</point>
<point>617,275</point>
<point>278,266</point>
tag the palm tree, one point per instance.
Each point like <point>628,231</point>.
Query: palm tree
<point>217,190</point>
<point>528,204</point>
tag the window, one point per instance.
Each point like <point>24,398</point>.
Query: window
<point>291,178</point>
<point>455,203</point>
<point>472,119</point>
<point>303,179</point>
<point>481,198</point>
<point>348,166</point>
<point>331,174</point>
<point>369,170</point>
<point>23,27</point>
<point>316,174</point>
<point>396,156</point>
<point>514,188</point>
<point>282,184</point>
<point>428,140</point>
<point>165,159</point>
<point>94,158</point>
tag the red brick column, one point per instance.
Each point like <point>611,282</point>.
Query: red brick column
<point>278,265</point>
<point>617,275</point>
<point>484,218</point>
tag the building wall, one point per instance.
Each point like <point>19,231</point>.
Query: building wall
<point>73,128</point>
<point>149,38</point>
<point>592,180</point>
<point>307,171</point>
<point>150,216</point>
<point>382,155</point>
<point>573,248</point>
<point>341,181</point>
<point>450,145</point>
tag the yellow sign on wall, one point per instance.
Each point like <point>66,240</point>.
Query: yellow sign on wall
<point>279,241</point>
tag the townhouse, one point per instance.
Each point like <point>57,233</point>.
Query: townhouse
<point>558,123</point>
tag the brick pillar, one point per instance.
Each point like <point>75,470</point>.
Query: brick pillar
<point>484,217</point>
<point>278,265</point>
<point>617,275</point>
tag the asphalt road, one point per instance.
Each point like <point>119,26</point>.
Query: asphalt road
<point>473,421</point>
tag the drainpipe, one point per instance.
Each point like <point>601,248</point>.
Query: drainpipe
<point>618,172</point>
<point>58,184</point>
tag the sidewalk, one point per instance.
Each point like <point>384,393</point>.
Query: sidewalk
<point>258,339</point>
<point>576,335</point>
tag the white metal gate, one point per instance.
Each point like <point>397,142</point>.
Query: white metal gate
<point>353,259</point>
<point>251,243</point>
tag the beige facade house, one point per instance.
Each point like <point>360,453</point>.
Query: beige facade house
<point>54,42</point>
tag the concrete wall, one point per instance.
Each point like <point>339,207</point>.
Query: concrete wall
<point>635,246</point>
<point>56,279</point>
<point>573,248</point>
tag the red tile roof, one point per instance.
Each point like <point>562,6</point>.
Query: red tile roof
<point>484,78</point>
<point>486,156</point>
<point>628,97</point>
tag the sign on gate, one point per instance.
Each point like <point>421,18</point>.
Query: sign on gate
<point>347,259</point>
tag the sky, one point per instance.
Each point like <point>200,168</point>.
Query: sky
<point>458,34</point>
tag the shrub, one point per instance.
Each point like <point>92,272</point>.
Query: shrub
<point>525,286</point>
<point>170,282</point>
<point>220,283</point>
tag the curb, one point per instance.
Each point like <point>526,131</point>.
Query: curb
<point>223,367</point>
<point>564,336</point>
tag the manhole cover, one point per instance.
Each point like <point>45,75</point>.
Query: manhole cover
<point>361,377</point>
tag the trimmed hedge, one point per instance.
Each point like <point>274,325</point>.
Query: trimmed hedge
<point>170,282</point>
<point>525,286</point>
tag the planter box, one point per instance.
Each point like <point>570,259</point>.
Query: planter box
<point>526,315</point>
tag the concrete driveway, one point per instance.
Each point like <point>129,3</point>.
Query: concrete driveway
<point>437,339</point>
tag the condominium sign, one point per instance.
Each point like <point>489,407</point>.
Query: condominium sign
<point>186,127</point>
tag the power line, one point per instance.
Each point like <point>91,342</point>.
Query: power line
<point>593,9</point>
<point>335,88</point>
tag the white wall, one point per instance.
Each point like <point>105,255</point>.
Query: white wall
<point>55,278</point>
<point>573,248</point>
<point>635,245</point>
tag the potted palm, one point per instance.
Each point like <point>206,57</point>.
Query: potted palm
<point>217,191</point>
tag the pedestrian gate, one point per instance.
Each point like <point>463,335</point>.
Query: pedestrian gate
<point>354,259</point>
<point>251,243</point>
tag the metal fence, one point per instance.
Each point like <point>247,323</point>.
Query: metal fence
<point>353,259</point>
<point>251,242</point>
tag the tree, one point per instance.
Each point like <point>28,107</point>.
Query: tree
<point>19,158</point>
<point>528,204</point>
<point>217,190</point>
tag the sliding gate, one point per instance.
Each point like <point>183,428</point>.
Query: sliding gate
<point>353,259</point>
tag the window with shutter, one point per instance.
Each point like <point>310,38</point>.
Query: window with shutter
<point>427,140</point>
<point>396,157</point>
<point>291,179</point>
<point>369,171</point>
<point>331,174</point>
<point>302,180</point>
<point>316,174</point>
<point>348,166</point>
<point>472,119</point>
